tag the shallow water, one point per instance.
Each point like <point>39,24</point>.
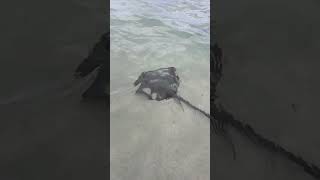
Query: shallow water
<point>150,139</point>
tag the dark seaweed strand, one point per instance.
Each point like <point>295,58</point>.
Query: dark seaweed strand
<point>222,118</point>
<point>222,115</point>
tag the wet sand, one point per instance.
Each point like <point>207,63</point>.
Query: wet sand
<point>159,140</point>
<point>46,132</point>
<point>271,82</point>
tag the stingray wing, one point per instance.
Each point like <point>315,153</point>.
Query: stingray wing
<point>139,80</point>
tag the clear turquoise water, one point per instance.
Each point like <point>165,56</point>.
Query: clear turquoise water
<point>147,35</point>
<point>150,139</point>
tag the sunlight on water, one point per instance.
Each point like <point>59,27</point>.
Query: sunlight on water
<point>146,35</point>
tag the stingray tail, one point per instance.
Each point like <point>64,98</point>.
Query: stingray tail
<point>212,123</point>
<point>179,102</point>
<point>192,106</point>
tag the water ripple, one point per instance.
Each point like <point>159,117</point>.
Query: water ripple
<point>150,34</point>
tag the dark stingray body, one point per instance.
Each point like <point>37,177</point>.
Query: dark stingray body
<point>163,83</point>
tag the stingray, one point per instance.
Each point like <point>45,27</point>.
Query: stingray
<point>162,84</point>
<point>158,84</point>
